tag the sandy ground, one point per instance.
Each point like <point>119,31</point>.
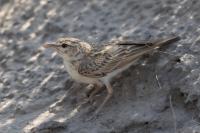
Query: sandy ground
<point>160,94</point>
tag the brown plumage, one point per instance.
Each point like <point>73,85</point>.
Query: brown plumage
<point>98,65</point>
<point>115,56</point>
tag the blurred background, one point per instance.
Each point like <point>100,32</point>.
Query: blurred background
<point>158,95</point>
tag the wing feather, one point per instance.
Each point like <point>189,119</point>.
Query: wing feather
<point>110,57</point>
<point>105,61</point>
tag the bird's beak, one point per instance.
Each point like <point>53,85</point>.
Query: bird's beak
<point>50,45</point>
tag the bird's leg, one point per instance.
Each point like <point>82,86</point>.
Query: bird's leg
<point>89,89</point>
<point>110,92</point>
<point>92,89</point>
<point>97,88</point>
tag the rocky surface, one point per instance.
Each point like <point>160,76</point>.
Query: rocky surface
<point>160,94</point>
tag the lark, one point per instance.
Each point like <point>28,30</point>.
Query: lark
<point>98,64</point>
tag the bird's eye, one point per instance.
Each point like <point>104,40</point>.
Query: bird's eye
<point>64,45</point>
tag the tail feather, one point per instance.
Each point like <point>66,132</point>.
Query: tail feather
<point>151,46</point>
<point>167,41</point>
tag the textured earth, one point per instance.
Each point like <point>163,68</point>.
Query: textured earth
<point>159,94</point>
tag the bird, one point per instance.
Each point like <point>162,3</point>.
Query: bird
<point>97,64</point>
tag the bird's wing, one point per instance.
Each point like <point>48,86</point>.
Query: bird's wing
<point>114,56</point>
<point>108,59</point>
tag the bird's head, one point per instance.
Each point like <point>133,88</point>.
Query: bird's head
<point>70,48</point>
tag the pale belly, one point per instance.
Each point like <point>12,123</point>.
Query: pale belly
<point>76,76</point>
<point>80,78</point>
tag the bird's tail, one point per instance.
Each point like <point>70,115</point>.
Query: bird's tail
<point>151,46</point>
<point>133,54</point>
<point>166,41</point>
